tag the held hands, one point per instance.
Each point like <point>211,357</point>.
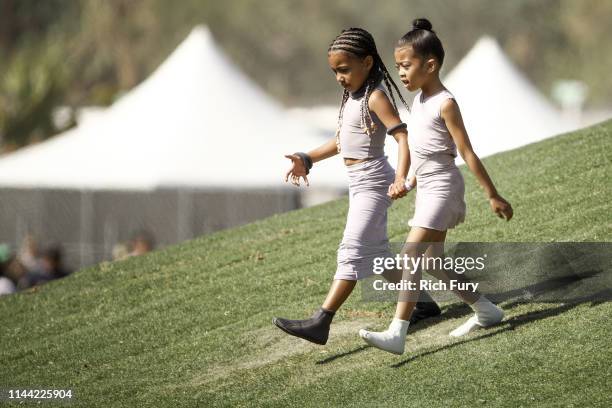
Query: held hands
<point>399,188</point>
<point>296,171</point>
<point>501,207</point>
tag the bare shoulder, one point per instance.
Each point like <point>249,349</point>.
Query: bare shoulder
<point>378,100</point>
<point>449,109</point>
<point>449,105</point>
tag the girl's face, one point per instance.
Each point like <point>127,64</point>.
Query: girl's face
<point>413,70</point>
<point>350,70</point>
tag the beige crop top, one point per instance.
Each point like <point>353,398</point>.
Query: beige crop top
<point>354,141</point>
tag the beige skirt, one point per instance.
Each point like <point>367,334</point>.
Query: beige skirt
<point>439,201</point>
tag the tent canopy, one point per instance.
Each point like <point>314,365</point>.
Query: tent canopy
<point>197,121</point>
<point>500,108</point>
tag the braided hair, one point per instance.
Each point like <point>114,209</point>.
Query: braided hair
<point>360,43</point>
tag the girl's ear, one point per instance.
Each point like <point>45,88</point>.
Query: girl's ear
<point>369,62</point>
<point>431,65</point>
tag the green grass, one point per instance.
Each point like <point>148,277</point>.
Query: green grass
<point>190,325</point>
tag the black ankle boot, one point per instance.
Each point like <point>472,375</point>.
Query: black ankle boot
<point>425,307</point>
<point>423,310</point>
<point>315,329</point>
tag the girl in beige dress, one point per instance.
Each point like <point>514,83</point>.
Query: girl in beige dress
<point>435,134</point>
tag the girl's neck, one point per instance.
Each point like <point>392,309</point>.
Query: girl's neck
<point>432,87</point>
<point>377,76</point>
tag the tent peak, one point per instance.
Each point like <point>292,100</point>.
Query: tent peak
<point>201,30</point>
<point>488,43</point>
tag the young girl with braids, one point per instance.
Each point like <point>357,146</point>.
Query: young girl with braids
<point>367,114</point>
<point>436,132</point>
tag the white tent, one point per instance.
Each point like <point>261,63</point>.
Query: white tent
<point>500,108</point>
<point>197,121</point>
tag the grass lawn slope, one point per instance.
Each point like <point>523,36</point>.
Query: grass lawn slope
<point>190,325</point>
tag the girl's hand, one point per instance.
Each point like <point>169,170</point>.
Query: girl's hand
<point>397,189</point>
<point>297,170</point>
<point>501,207</point>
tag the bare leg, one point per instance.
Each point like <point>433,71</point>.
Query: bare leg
<point>419,242</point>
<point>338,293</point>
<point>393,339</point>
<point>467,296</point>
<point>486,313</point>
<point>425,307</point>
<point>416,236</point>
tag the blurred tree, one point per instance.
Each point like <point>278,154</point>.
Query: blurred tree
<point>588,51</point>
<point>32,86</point>
<point>105,47</point>
<point>32,62</point>
<point>22,19</point>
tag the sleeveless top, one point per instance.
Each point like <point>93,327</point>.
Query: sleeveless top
<point>354,141</point>
<point>432,149</point>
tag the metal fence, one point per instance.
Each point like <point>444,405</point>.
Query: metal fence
<point>88,224</point>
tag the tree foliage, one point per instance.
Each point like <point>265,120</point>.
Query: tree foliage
<point>83,52</point>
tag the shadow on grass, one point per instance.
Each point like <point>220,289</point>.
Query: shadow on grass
<point>346,353</point>
<point>535,291</point>
<point>530,293</point>
<point>518,321</point>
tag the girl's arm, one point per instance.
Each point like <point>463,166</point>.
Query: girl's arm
<point>298,169</point>
<point>379,104</point>
<point>454,122</point>
<point>412,182</point>
<point>325,151</point>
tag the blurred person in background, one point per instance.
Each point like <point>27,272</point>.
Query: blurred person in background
<point>52,263</point>
<point>120,251</point>
<point>28,253</point>
<point>50,267</point>
<point>142,243</point>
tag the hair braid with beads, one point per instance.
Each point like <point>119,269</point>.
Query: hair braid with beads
<point>360,43</point>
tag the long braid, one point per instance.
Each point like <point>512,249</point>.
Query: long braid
<point>345,96</point>
<point>389,80</point>
<point>389,87</point>
<point>359,42</point>
<point>366,118</point>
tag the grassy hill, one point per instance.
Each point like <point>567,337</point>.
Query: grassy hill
<point>190,325</point>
